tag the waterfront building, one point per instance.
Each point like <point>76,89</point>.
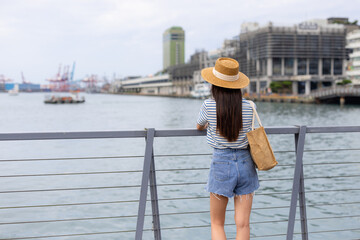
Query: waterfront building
<point>311,55</point>
<point>182,75</point>
<point>173,47</point>
<point>152,85</point>
<point>117,84</point>
<point>353,68</point>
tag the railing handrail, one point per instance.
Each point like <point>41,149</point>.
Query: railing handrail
<point>162,133</point>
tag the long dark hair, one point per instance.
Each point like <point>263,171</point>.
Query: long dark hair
<point>228,111</point>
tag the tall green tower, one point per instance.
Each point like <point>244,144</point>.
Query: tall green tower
<point>173,47</point>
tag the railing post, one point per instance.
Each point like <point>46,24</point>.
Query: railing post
<point>144,182</point>
<point>298,186</point>
<point>302,203</point>
<point>154,200</point>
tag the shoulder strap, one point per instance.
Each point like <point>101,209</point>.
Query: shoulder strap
<point>254,114</point>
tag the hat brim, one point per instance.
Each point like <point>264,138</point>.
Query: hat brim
<point>207,74</point>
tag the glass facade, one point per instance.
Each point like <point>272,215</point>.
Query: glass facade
<point>314,66</point>
<point>252,87</point>
<point>302,66</point>
<point>337,66</point>
<point>276,66</point>
<point>289,66</point>
<point>176,36</point>
<point>301,87</point>
<point>326,84</point>
<point>263,84</point>
<point>326,66</point>
<point>263,67</point>
<point>313,85</point>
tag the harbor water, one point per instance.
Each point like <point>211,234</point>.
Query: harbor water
<point>28,113</point>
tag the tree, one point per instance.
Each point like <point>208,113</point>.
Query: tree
<point>344,82</point>
<point>281,87</point>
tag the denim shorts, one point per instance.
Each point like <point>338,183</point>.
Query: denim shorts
<point>232,172</point>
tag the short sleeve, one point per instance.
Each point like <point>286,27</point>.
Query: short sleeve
<point>202,119</point>
<point>249,101</point>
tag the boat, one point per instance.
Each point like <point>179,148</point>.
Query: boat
<point>201,90</point>
<point>14,91</point>
<point>73,98</point>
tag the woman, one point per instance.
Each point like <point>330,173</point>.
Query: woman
<point>227,117</point>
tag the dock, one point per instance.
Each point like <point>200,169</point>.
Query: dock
<point>339,95</point>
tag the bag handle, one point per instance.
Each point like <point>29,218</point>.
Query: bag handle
<point>254,114</point>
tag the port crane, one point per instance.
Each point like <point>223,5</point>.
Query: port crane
<point>63,79</point>
<point>4,80</point>
<point>23,78</point>
<point>91,83</point>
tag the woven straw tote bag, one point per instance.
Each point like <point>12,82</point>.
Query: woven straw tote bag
<point>260,149</point>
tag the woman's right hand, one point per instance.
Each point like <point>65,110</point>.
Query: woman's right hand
<point>200,127</point>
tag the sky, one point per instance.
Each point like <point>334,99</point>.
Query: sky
<point>124,37</point>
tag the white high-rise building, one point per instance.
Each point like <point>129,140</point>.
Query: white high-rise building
<point>353,68</point>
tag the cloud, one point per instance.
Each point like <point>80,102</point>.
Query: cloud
<point>108,36</point>
<point>127,16</point>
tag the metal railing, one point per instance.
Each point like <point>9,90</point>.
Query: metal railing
<point>149,181</point>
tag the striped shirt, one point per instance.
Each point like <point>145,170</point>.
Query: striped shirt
<point>207,114</point>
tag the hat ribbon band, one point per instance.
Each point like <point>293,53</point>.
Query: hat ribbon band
<point>229,78</point>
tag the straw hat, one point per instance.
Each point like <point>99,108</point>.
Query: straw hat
<point>225,74</point>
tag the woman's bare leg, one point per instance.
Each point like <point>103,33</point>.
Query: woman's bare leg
<point>242,216</point>
<point>217,215</point>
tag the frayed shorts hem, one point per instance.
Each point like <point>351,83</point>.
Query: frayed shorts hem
<point>247,192</point>
<point>235,195</point>
<point>220,194</point>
